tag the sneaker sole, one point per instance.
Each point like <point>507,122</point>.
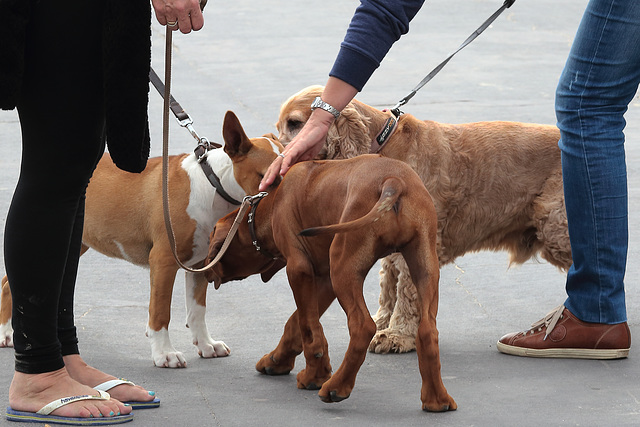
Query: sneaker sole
<point>566,353</point>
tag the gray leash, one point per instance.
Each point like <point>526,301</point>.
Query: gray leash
<point>396,109</point>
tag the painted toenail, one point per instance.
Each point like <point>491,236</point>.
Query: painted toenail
<point>152,393</point>
<point>111,414</point>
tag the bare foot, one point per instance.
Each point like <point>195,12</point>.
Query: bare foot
<point>90,376</point>
<point>31,392</point>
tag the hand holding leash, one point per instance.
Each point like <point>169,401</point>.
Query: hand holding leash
<point>183,15</point>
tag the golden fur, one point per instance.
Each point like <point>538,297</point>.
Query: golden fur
<point>496,186</point>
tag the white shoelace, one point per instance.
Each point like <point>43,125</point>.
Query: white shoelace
<point>549,321</point>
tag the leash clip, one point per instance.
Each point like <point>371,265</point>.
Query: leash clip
<point>188,123</point>
<point>255,198</point>
<point>396,111</point>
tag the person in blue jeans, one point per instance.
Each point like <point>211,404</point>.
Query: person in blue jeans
<point>599,80</point>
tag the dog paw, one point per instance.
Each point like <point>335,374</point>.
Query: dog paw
<point>389,341</point>
<point>173,359</point>
<point>270,365</point>
<point>442,405</point>
<point>307,380</point>
<point>6,335</point>
<point>327,395</point>
<point>212,348</point>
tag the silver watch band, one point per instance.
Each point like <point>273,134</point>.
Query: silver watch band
<point>319,103</point>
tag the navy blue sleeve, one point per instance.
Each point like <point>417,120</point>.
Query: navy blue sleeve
<point>376,25</point>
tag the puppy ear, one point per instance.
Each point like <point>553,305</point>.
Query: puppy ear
<point>216,281</point>
<point>216,240</point>
<point>236,141</point>
<point>271,136</point>
<point>272,269</point>
<point>348,135</point>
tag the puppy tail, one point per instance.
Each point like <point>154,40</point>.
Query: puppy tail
<point>392,189</point>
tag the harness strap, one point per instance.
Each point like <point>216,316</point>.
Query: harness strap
<point>215,181</point>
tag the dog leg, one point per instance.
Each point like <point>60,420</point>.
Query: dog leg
<point>163,273</point>
<point>400,336</point>
<point>387,299</point>
<point>422,260</point>
<point>282,359</point>
<point>196,299</point>
<point>314,344</point>
<point>6,331</point>
<point>345,273</point>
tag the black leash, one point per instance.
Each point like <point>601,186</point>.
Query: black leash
<point>396,109</point>
<point>204,145</point>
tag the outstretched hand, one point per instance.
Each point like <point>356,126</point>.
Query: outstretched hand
<point>305,146</point>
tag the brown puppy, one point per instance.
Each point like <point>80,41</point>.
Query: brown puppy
<point>496,186</point>
<point>124,219</point>
<point>358,210</point>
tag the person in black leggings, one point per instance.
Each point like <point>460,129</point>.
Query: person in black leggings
<point>61,107</point>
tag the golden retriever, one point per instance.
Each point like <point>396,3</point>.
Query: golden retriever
<point>495,185</point>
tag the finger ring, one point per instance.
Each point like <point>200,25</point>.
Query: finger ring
<point>172,23</point>
<point>281,155</point>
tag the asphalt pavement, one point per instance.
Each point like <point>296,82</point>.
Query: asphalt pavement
<point>249,58</point>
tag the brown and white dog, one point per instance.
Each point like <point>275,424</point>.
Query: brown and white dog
<point>495,185</point>
<point>124,219</point>
<point>371,206</point>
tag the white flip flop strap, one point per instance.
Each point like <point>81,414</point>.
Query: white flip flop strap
<point>108,385</point>
<point>49,408</point>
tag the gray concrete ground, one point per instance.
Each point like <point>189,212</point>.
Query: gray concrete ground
<point>250,57</point>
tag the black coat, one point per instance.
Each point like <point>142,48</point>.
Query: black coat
<point>126,57</point>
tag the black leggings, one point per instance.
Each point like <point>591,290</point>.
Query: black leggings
<point>62,120</point>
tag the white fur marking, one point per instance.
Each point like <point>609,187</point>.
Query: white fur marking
<point>204,207</point>
<point>274,147</point>
<point>163,353</point>
<point>123,252</point>
<point>207,346</point>
<point>6,334</point>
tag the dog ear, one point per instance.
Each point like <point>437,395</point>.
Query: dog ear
<point>271,136</point>
<point>216,240</point>
<point>348,135</point>
<point>236,141</point>
<point>272,269</point>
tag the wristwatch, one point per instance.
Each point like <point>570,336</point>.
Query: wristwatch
<point>319,103</point>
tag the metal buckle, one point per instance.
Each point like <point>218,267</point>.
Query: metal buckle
<point>256,197</point>
<point>203,147</point>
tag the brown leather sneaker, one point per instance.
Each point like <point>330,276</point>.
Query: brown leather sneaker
<point>561,334</point>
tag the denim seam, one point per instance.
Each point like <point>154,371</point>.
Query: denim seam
<point>591,197</point>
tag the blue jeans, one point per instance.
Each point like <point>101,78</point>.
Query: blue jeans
<point>600,78</point>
